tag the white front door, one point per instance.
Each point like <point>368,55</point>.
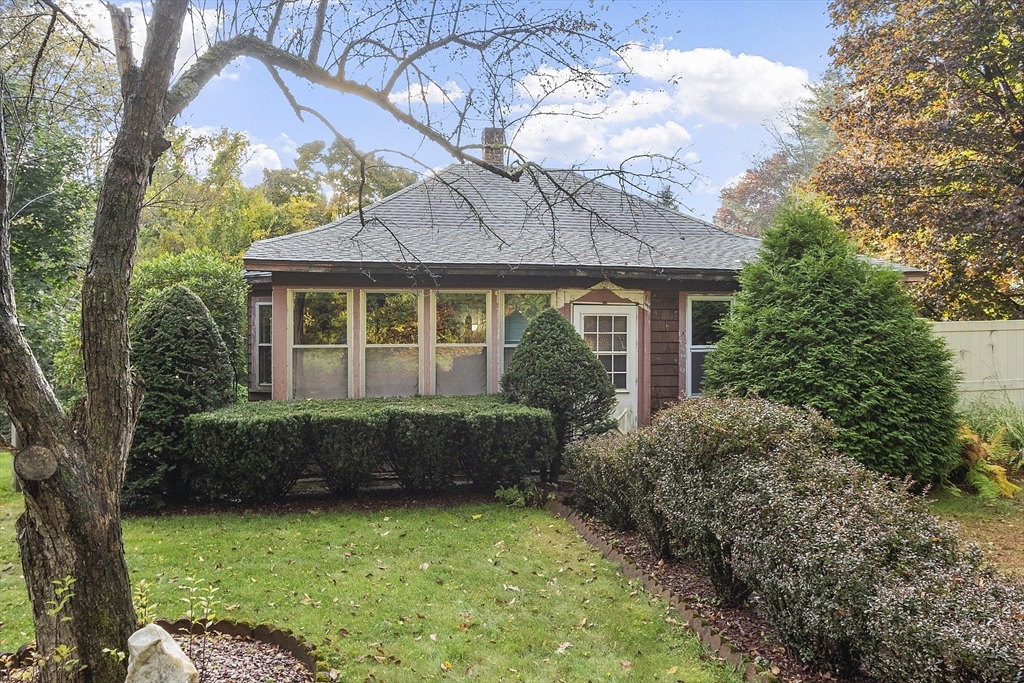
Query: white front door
<point>610,330</point>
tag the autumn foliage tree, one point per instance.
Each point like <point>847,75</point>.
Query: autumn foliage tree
<point>930,165</point>
<point>801,140</point>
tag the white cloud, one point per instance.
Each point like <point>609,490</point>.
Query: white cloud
<point>262,157</point>
<point>661,138</point>
<point>432,93</point>
<point>733,181</point>
<point>719,86</point>
<point>563,85</point>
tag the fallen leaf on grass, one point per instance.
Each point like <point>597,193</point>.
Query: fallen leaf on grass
<point>563,647</point>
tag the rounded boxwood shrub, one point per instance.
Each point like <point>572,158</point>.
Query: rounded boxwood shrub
<point>816,324</point>
<point>552,368</point>
<point>178,351</point>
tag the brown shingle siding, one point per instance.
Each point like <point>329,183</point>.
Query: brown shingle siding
<point>664,348</point>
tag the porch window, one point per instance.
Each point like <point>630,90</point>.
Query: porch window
<point>520,310</point>
<point>392,350</point>
<point>461,343</point>
<point>702,332</point>
<point>264,354</point>
<point>320,344</point>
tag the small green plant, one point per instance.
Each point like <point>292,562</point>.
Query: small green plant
<point>201,609</point>
<point>62,655</point>
<point>981,470</point>
<point>524,494</point>
<point>145,611</point>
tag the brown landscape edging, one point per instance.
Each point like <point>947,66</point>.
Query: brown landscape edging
<point>297,646</point>
<point>286,639</point>
<point>690,617</point>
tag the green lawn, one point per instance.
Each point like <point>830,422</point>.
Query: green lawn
<point>478,592</point>
<point>996,525</point>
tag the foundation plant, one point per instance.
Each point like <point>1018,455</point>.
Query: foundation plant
<point>847,564</point>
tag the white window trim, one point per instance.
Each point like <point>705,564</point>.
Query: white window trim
<point>436,344</point>
<point>420,310</point>
<point>290,292</point>
<point>690,347</point>
<point>501,320</point>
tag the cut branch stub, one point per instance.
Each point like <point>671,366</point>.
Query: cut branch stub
<point>35,463</point>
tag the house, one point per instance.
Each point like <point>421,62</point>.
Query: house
<point>430,291</point>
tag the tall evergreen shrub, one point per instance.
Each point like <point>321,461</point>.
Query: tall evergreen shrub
<point>179,353</point>
<point>816,324</point>
<point>552,368</point>
<point>217,282</point>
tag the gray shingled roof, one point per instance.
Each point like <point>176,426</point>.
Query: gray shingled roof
<point>467,217</point>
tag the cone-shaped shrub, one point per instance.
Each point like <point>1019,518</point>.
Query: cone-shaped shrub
<point>816,324</point>
<point>178,350</point>
<point>552,368</point>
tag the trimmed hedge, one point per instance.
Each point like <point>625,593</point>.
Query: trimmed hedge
<point>852,570</point>
<point>255,452</point>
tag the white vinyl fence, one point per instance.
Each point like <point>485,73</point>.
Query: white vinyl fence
<point>991,355</point>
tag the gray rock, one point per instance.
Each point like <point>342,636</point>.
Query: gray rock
<point>154,657</point>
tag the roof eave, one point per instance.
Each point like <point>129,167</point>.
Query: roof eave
<point>497,270</point>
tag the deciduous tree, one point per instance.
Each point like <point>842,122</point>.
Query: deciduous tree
<point>801,140</point>
<point>390,53</point>
<point>930,166</point>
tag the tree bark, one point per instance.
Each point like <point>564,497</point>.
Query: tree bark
<point>71,528</point>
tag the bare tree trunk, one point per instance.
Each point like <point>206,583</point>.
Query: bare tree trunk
<point>71,528</point>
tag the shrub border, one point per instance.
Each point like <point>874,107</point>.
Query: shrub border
<point>691,618</point>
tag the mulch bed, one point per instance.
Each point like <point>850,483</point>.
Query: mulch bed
<point>220,659</point>
<point>234,659</point>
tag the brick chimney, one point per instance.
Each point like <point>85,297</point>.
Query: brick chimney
<point>494,146</point>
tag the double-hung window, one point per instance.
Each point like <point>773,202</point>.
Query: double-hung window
<point>703,316</point>
<point>392,343</point>
<point>264,346</point>
<point>460,350</point>
<point>520,308</point>
<point>320,333</point>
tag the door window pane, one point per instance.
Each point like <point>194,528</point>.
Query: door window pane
<point>320,373</point>
<point>392,318</point>
<point>605,335</point>
<point>462,318</point>
<point>697,371</point>
<point>461,370</point>
<point>264,359</point>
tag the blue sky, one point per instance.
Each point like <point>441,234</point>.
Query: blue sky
<point>706,82</point>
